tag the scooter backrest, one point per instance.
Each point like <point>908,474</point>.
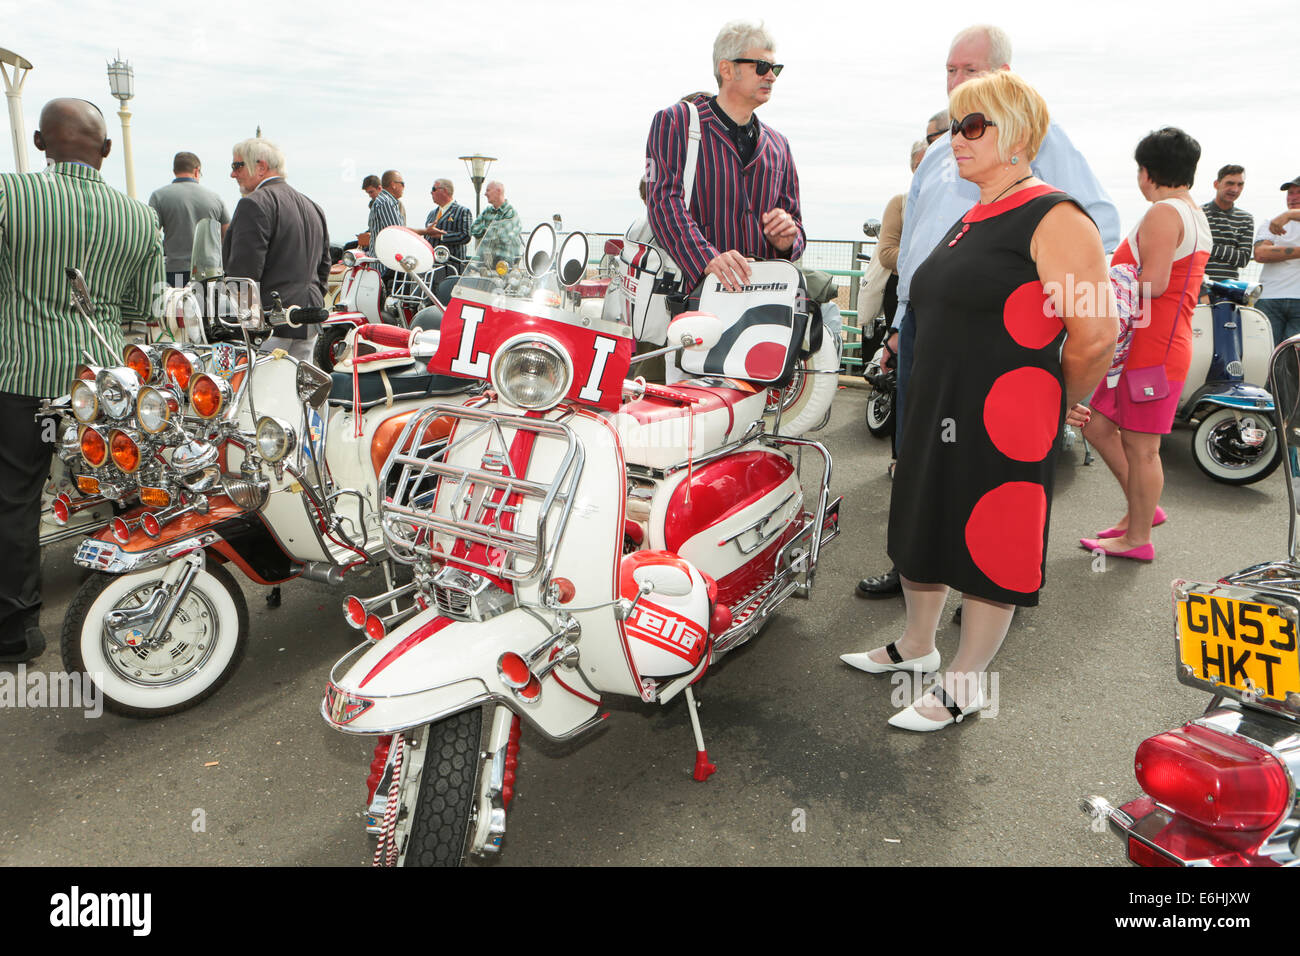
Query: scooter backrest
<point>762,326</point>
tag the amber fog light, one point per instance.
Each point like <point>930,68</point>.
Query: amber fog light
<point>155,497</point>
<point>179,366</point>
<point>208,395</point>
<point>142,360</point>
<point>87,485</point>
<point>93,448</point>
<point>124,449</point>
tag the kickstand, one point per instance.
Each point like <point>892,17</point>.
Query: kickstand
<point>1087,450</point>
<point>703,769</point>
<point>273,599</point>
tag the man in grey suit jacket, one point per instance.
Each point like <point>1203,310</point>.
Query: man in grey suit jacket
<point>278,237</point>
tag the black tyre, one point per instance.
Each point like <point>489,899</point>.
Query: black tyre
<point>330,346</point>
<point>444,807</point>
<point>880,414</point>
<point>1220,453</point>
<point>200,651</point>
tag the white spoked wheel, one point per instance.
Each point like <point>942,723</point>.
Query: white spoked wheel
<point>1221,454</point>
<point>806,400</point>
<point>438,791</point>
<point>880,413</point>
<point>196,655</point>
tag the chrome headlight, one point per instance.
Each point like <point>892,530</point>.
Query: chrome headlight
<point>117,389</point>
<point>531,371</point>
<point>349,259</point>
<point>85,401</point>
<point>274,438</point>
<point>154,409</point>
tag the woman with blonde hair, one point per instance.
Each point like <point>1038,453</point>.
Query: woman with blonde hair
<point>1006,341</point>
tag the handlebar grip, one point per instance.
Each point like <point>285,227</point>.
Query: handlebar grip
<point>308,316</point>
<point>390,335</point>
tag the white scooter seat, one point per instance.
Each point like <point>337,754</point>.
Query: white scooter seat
<point>659,433</point>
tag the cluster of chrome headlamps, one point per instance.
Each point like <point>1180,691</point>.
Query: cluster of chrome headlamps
<point>125,416</point>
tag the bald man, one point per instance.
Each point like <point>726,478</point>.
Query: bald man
<point>64,216</point>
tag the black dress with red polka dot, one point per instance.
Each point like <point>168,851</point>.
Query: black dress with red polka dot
<point>985,405</point>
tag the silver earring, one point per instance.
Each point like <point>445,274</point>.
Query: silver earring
<point>1014,160</point>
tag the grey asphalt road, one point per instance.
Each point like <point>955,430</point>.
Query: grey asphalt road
<point>808,771</point>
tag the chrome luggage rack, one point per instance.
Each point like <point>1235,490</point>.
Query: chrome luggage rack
<point>479,497</point>
<point>407,288</point>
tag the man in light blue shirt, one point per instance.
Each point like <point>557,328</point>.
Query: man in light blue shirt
<point>939,197</point>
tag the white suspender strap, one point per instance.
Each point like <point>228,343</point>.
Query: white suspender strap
<point>692,154</point>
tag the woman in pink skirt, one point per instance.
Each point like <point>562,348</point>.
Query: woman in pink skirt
<point>1169,248</point>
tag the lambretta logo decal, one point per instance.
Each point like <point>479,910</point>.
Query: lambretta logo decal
<point>75,909</point>
<point>760,287</point>
<point>673,634</point>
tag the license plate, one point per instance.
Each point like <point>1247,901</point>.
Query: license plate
<point>1234,639</point>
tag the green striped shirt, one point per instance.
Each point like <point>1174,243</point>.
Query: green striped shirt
<point>68,216</point>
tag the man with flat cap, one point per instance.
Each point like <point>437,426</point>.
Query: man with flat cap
<point>64,216</point>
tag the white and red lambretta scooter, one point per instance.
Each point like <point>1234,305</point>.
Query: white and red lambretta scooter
<point>587,535</point>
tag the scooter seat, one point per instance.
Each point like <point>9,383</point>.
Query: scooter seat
<point>659,433</point>
<point>406,382</point>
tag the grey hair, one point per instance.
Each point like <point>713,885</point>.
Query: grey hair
<point>253,151</point>
<point>920,146</point>
<point>494,182</point>
<point>941,118</point>
<point>999,43</point>
<point>736,38</point>
<point>446,184</point>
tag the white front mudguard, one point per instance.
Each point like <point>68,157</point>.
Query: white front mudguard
<point>432,667</point>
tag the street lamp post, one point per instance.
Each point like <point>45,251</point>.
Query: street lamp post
<point>478,167</point>
<point>121,81</point>
<point>14,93</point>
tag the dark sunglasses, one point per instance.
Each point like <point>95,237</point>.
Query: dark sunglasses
<point>236,167</point>
<point>931,137</point>
<point>972,125</point>
<point>762,66</point>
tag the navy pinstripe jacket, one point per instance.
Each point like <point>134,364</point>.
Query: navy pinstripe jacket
<point>728,202</point>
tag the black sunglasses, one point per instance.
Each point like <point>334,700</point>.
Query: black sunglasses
<point>972,125</point>
<point>762,66</point>
<point>931,137</point>
<point>236,167</point>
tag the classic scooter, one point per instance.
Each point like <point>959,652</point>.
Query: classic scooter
<point>579,535</point>
<point>1221,789</point>
<point>217,455</point>
<point>362,291</point>
<point>1234,440</point>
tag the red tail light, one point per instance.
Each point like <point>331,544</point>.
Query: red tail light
<point>1143,855</point>
<point>1213,779</point>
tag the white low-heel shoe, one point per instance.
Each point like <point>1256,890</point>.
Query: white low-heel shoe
<point>919,665</point>
<point>910,719</point>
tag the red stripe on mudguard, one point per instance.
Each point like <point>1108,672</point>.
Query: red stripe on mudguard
<point>408,642</point>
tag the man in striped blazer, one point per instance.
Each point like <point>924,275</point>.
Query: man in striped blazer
<point>64,216</point>
<point>745,202</point>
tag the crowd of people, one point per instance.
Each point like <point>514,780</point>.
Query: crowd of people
<point>1004,322</point>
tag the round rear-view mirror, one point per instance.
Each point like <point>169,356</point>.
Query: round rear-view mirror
<point>573,259</point>
<point>539,253</point>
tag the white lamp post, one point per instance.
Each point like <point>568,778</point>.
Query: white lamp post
<point>14,93</point>
<point>478,167</point>
<point>121,81</point>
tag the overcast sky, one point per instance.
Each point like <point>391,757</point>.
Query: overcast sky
<point>563,92</point>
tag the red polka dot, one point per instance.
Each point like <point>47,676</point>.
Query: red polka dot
<point>1030,317</point>
<point>1022,413</point>
<point>1004,535</point>
<point>765,361</point>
